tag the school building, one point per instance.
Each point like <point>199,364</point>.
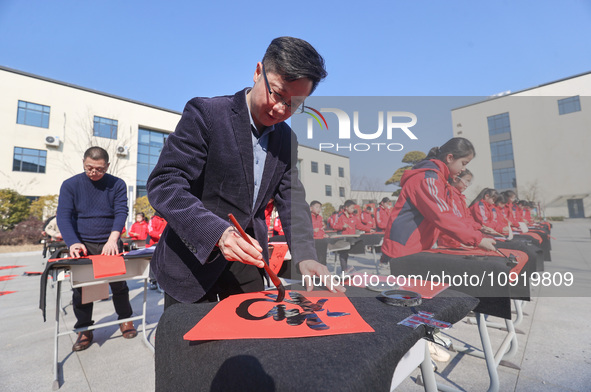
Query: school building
<point>46,125</point>
<point>536,142</point>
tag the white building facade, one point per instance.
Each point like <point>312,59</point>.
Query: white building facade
<point>536,142</point>
<point>46,126</point>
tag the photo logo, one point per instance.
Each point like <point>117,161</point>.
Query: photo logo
<point>390,121</point>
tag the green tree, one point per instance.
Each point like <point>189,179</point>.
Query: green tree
<point>327,210</point>
<point>411,158</point>
<point>14,208</point>
<point>142,204</point>
<point>44,207</point>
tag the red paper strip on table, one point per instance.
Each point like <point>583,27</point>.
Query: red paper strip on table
<point>278,255</point>
<point>6,292</point>
<point>7,277</point>
<point>10,266</point>
<point>104,266</point>
<point>301,314</point>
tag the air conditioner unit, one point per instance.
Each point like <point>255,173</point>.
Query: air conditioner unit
<point>53,141</point>
<point>122,151</point>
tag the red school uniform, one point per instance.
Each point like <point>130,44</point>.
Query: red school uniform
<point>422,211</point>
<point>155,229</point>
<point>318,223</point>
<point>139,230</point>
<point>461,210</point>
<point>353,223</point>
<point>382,217</point>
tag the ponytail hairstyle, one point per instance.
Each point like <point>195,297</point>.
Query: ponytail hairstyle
<point>459,147</point>
<point>491,192</point>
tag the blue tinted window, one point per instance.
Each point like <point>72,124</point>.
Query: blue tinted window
<point>499,124</point>
<point>501,151</point>
<point>32,114</point>
<point>328,190</point>
<point>505,178</point>
<point>314,167</point>
<point>150,145</point>
<point>327,170</point>
<point>341,191</point>
<point>569,105</point>
<point>341,172</point>
<point>105,127</point>
<point>29,160</point>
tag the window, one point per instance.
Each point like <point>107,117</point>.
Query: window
<point>505,178</point>
<point>499,124</point>
<point>327,169</point>
<point>29,160</point>
<point>569,105</point>
<point>341,172</point>
<point>105,127</point>
<point>32,114</point>
<point>341,191</point>
<point>501,151</point>
<point>150,145</point>
<point>328,190</point>
<point>314,167</point>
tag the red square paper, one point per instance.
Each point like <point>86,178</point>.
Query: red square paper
<point>258,316</point>
<point>104,266</point>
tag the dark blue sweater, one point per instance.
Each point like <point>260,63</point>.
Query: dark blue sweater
<point>88,211</point>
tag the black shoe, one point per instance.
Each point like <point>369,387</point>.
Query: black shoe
<point>152,285</point>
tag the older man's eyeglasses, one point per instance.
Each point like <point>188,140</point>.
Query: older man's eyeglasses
<point>277,98</point>
<point>98,170</point>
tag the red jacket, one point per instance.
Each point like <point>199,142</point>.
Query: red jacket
<point>277,227</point>
<point>499,220</point>
<point>461,210</point>
<point>140,230</point>
<point>367,219</point>
<point>155,229</point>
<point>318,223</point>
<point>332,220</point>
<point>353,223</point>
<point>423,210</point>
<point>382,217</point>
<point>511,215</point>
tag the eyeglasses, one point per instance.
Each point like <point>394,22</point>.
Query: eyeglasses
<point>99,170</point>
<point>466,183</point>
<point>277,98</point>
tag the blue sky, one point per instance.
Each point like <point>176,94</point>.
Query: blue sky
<point>164,53</point>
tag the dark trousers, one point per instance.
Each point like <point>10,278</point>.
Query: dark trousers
<point>344,259</point>
<point>119,290</point>
<point>321,245</point>
<point>237,278</point>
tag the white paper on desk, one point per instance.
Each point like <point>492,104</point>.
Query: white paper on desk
<point>95,292</point>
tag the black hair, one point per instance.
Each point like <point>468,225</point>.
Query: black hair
<point>385,200</point>
<point>97,153</point>
<point>486,192</point>
<point>509,194</point>
<point>462,174</point>
<point>315,202</point>
<point>459,147</point>
<point>349,203</point>
<point>294,59</point>
<point>141,213</point>
<point>501,198</point>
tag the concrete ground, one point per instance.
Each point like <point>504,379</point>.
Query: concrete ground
<point>554,351</point>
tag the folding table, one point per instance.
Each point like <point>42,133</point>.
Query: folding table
<point>81,274</point>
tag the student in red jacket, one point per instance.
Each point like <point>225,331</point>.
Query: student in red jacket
<point>510,213</point>
<point>383,214</point>
<point>482,211</point>
<point>348,223</point>
<point>459,207</point>
<point>423,209</point>
<point>139,230</point>
<point>320,241</point>
<point>498,215</point>
<point>367,218</point>
<point>155,228</point>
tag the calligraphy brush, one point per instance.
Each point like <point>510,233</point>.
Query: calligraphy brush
<point>510,261</point>
<point>272,275</point>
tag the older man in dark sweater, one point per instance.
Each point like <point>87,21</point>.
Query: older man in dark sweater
<point>91,214</point>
